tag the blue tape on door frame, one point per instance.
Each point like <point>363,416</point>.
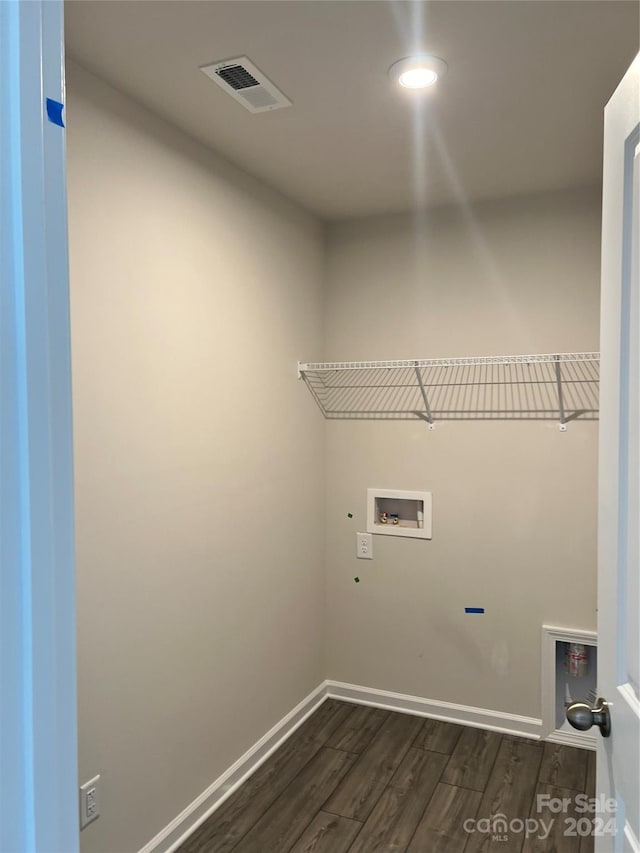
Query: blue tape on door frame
<point>474,610</point>
<point>54,112</point>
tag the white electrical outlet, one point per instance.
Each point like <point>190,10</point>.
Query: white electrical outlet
<point>364,546</point>
<point>89,801</point>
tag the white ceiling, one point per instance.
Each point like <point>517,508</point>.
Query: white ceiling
<point>519,111</point>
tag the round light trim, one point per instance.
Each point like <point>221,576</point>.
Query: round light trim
<point>417,78</point>
<point>417,72</point>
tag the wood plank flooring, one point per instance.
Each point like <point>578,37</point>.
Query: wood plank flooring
<point>354,779</point>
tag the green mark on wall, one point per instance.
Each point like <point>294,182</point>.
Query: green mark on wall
<point>349,515</point>
<point>357,580</point>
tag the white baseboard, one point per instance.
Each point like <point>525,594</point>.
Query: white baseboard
<point>497,721</point>
<point>181,827</point>
<point>581,740</point>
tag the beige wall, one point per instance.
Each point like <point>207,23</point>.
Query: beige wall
<point>198,458</point>
<point>514,503</point>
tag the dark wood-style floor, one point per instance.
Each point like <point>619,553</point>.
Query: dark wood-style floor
<point>363,780</point>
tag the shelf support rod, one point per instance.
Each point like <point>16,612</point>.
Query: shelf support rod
<point>424,396</point>
<point>563,419</point>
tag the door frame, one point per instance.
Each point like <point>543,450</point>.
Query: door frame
<point>38,720</point>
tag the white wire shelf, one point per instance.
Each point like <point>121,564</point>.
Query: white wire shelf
<point>555,386</point>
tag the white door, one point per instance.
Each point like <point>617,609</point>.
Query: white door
<point>618,759</point>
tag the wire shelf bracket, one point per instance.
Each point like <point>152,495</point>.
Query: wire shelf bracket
<point>554,386</point>
<point>429,416</point>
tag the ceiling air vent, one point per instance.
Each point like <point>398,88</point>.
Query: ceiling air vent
<point>247,84</point>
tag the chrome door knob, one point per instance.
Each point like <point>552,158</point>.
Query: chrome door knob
<point>582,716</point>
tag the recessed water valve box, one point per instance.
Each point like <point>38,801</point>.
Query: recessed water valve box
<point>391,512</point>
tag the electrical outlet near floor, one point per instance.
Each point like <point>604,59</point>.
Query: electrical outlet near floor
<point>364,546</point>
<point>89,801</point>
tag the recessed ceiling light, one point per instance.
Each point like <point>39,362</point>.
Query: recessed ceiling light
<point>417,72</point>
